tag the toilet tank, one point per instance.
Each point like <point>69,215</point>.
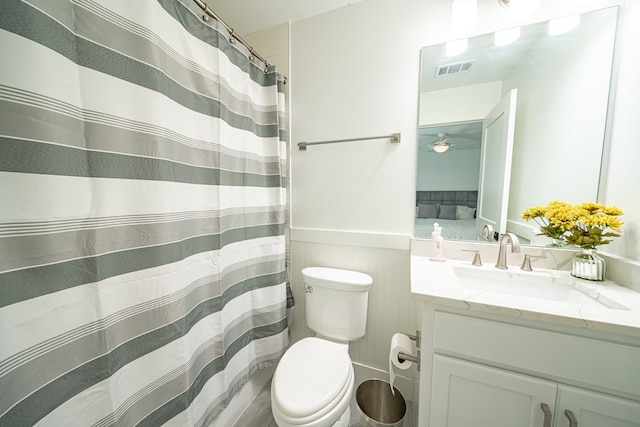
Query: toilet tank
<point>336,302</point>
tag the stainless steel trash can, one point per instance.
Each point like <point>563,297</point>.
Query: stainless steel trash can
<point>378,406</point>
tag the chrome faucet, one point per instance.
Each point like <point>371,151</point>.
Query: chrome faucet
<point>502,254</point>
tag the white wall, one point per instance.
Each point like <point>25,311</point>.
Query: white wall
<point>273,45</point>
<point>355,72</point>
<point>444,106</point>
<point>456,170</point>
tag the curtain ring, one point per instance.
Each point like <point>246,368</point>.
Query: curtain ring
<point>205,17</point>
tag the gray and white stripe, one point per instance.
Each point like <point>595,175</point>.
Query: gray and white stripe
<point>142,210</point>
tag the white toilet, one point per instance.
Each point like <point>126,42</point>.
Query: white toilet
<point>314,381</point>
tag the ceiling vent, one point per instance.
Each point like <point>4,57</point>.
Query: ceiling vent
<point>449,69</point>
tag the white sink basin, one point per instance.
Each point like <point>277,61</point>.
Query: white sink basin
<point>538,285</point>
<point>546,295</point>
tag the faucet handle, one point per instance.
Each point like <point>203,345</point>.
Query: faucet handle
<point>526,264</point>
<point>476,258</point>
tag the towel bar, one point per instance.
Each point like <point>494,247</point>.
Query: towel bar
<point>395,137</point>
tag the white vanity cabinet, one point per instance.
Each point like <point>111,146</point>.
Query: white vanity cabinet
<point>488,370</point>
<point>595,409</point>
<point>471,394</point>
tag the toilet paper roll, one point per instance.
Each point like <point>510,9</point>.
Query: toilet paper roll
<point>400,343</point>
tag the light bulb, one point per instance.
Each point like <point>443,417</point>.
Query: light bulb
<point>562,25</point>
<point>506,37</point>
<point>441,148</point>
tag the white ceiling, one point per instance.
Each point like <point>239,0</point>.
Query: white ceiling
<point>249,16</point>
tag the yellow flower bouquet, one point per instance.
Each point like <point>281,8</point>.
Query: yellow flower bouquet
<point>587,225</point>
<point>593,223</point>
<point>554,220</point>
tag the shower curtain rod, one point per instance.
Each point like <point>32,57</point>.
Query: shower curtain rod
<point>395,137</point>
<point>210,13</point>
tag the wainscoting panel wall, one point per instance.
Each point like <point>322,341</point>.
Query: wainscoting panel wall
<point>391,308</point>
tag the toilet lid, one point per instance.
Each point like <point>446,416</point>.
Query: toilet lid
<point>311,377</point>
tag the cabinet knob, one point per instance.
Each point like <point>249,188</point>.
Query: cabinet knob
<point>547,415</point>
<point>573,422</point>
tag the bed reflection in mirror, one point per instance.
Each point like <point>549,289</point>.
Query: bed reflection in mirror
<point>447,184</point>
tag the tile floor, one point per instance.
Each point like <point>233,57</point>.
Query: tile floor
<point>258,414</point>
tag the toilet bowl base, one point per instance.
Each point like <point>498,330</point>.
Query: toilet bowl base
<point>344,419</point>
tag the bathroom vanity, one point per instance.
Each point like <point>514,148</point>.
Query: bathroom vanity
<point>496,353</point>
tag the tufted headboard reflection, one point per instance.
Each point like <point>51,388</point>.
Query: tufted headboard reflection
<point>462,198</point>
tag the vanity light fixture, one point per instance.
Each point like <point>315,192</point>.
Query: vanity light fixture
<point>456,47</point>
<point>563,25</point>
<point>508,36</point>
<point>464,15</point>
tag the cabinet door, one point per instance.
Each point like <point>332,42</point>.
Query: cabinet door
<point>465,394</point>
<point>595,410</point>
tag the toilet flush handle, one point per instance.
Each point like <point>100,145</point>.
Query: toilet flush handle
<point>307,289</point>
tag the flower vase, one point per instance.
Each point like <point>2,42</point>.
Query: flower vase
<point>588,265</point>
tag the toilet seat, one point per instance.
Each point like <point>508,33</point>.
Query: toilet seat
<point>313,378</point>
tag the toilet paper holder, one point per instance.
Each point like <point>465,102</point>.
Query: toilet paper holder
<point>415,359</point>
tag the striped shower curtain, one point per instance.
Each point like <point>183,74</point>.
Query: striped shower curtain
<point>142,199</point>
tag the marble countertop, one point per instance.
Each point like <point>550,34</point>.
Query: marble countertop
<point>443,283</point>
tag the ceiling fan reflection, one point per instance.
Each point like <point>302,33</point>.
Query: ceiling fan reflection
<point>442,145</point>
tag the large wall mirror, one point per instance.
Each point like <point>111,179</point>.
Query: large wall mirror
<point>513,123</point>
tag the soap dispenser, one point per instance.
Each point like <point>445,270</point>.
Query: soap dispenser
<point>436,235</point>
